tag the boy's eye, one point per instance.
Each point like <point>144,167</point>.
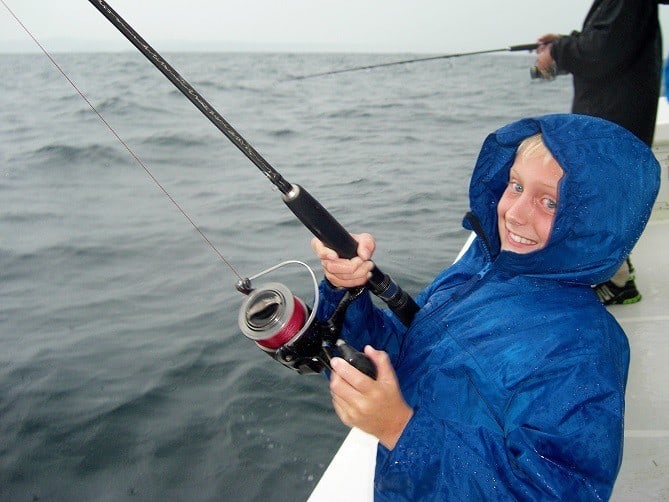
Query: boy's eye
<point>550,204</point>
<point>516,187</point>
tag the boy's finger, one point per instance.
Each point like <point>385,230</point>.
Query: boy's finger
<point>381,359</point>
<point>366,246</point>
<point>322,251</point>
<point>351,375</point>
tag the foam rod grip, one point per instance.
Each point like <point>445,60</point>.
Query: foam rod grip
<point>320,222</point>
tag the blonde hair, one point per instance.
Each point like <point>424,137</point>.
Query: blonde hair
<point>533,146</point>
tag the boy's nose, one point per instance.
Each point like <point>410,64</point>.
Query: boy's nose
<point>520,211</point>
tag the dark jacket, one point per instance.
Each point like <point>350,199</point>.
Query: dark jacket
<point>616,62</point>
<point>514,369</point>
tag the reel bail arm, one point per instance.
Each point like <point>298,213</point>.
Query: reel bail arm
<point>244,286</point>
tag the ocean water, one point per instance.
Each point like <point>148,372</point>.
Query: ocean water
<point>123,375</point>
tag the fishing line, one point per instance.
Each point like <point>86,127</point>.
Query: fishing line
<point>125,145</point>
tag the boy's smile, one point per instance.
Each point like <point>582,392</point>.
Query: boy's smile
<point>526,211</point>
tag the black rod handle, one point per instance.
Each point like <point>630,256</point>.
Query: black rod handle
<point>324,226</point>
<point>524,47</point>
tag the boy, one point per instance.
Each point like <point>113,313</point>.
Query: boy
<point>510,382</point>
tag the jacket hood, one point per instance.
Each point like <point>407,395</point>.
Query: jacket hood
<point>610,182</point>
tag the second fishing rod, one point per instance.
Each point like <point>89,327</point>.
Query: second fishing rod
<point>514,48</point>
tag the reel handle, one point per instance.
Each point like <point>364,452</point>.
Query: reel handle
<point>357,359</point>
<point>324,226</point>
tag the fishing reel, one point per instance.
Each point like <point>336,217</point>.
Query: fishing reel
<point>549,74</point>
<point>286,329</point>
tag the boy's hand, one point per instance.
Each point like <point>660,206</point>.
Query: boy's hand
<point>344,273</point>
<point>374,406</point>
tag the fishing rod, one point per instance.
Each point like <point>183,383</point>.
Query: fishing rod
<point>513,48</point>
<point>267,314</point>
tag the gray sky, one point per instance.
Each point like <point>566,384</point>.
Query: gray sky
<point>432,26</point>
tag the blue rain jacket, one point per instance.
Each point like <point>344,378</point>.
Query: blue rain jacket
<point>515,371</point>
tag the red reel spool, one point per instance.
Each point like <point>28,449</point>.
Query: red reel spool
<point>272,316</point>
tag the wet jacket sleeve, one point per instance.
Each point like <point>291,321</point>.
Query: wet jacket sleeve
<point>609,42</point>
<point>546,446</point>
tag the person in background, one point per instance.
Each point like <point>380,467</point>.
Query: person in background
<point>509,384</point>
<point>616,64</point>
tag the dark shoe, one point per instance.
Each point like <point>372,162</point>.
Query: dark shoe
<point>610,294</point>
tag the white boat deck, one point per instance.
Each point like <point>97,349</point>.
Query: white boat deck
<point>644,474</point>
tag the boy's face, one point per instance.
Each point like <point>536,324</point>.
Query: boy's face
<point>526,211</point>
